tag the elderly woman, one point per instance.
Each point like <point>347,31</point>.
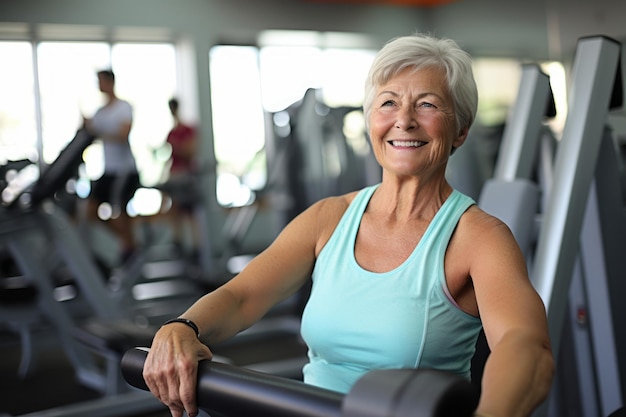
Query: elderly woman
<point>404,273</point>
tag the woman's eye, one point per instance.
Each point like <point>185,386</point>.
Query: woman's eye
<point>387,103</point>
<point>426,104</point>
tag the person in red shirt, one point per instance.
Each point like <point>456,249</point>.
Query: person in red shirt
<point>182,139</point>
<point>182,186</point>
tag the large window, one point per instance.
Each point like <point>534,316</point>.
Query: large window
<point>18,122</point>
<point>145,76</point>
<point>48,87</point>
<point>68,89</point>
<point>238,125</point>
<point>249,82</point>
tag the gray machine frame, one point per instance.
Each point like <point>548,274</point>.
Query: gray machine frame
<point>570,222</point>
<point>512,195</point>
<point>18,232</point>
<point>580,231</point>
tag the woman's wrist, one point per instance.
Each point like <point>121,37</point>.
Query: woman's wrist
<point>186,322</point>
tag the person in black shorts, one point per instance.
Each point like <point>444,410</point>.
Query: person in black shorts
<point>117,190</point>
<point>111,124</point>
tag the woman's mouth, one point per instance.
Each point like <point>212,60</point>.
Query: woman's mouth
<point>407,143</point>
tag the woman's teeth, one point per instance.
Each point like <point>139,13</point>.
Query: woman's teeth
<point>407,143</point>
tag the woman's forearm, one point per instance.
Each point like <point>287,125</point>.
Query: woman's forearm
<point>517,377</point>
<point>217,315</point>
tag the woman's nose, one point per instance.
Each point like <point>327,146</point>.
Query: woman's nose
<point>406,119</point>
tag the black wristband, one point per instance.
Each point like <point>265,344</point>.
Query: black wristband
<point>188,322</point>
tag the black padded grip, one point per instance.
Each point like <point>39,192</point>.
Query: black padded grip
<point>237,391</point>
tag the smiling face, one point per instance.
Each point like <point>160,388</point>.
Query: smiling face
<point>413,125</point>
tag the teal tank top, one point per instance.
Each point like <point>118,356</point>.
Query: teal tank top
<point>356,320</point>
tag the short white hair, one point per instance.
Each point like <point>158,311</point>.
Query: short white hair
<point>419,51</point>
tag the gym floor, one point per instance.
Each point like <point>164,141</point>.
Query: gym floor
<point>50,384</point>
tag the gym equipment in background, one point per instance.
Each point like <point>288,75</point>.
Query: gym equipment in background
<point>579,264</point>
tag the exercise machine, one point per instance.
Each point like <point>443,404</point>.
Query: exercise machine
<point>39,235</point>
<point>100,322</point>
<point>514,193</point>
<point>579,262</point>
<point>237,392</point>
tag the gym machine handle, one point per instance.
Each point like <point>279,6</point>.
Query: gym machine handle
<point>238,392</point>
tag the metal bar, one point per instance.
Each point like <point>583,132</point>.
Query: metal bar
<point>595,75</point>
<point>598,279</point>
<point>522,131</point>
<point>241,392</point>
<point>595,68</point>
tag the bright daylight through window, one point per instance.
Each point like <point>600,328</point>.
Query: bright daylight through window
<point>47,92</point>
<point>267,80</point>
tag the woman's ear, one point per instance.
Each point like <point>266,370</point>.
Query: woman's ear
<point>460,139</point>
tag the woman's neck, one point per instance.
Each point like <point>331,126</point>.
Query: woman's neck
<point>410,199</point>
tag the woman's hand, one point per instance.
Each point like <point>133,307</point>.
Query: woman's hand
<point>171,367</point>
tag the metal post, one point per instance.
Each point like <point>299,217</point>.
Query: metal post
<point>595,69</point>
<point>595,73</point>
<point>522,131</point>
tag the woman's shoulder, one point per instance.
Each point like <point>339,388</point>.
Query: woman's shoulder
<point>327,213</point>
<point>476,225</point>
<point>477,219</point>
<point>330,209</point>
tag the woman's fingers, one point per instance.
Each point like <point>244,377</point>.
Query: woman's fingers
<point>187,391</point>
<point>188,377</point>
<point>171,370</point>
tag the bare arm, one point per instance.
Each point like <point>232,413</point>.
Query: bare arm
<point>171,366</point>
<point>518,373</point>
<point>123,133</point>
<point>269,278</point>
